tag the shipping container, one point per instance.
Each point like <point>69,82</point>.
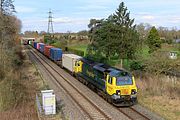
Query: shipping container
<point>35,45</point>
<point>41,47</point>
<point>38,45</point>
<point>56,54</point>
<point>47,50</point>
<point>69,60</point>
<point>30,42</point>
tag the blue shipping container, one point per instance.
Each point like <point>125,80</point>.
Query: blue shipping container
<point>41,47</point>
<point>55,54</point>
<point>35,45</point>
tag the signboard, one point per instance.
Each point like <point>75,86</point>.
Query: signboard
<point>49,102</point>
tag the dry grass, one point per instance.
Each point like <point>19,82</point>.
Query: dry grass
<point>25,109</point>
<point>161,95</point>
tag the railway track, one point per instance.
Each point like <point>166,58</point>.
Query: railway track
<point>132,114</point>
<point>89,108</point>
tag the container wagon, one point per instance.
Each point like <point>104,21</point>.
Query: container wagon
<point>47,50</point>
<point>41,47</point>
<point>69,61</point>
<point>38,45</point>
<point>35,45</point>
<point>55,54</point>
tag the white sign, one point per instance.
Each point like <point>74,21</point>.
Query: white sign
<point>49,102</point>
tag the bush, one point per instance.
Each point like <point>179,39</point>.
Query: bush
<point>2,74</point>
<point>136,65</point>
<point>12,91</point>
<point>60,44</point>
<point>17,61</point>
<point>78,52</point>
<point>161,64</point>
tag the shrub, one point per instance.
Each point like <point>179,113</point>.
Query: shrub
<point>136,65</point>
<point>2,74</point>
<point>78,52</point>
<point>60,44</point>
<point>161,64</point>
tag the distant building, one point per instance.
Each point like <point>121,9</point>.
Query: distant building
<point>173,55</point>
<point>177,41</point>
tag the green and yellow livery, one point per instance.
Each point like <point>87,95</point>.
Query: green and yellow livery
<point>115,85</point>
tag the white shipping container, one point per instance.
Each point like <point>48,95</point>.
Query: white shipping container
<point>68,61</point>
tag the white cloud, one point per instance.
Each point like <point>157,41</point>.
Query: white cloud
<point>92,7</point>
<point>148,17</point>
<point>175,19</point>
<point>63,20</point>
<point>23,9</point>
<point>67,20</point>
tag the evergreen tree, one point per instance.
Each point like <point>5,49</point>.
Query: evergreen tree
<point>127,40</point>
<point>115,35</point>
<point>7,7</point>
<point>153,40</point>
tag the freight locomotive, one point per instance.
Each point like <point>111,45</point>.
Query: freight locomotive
<point>117,86</point>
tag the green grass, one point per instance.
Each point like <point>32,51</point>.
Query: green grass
<point>145,52</point>
<point>143,55</point>
<point>82,47</point>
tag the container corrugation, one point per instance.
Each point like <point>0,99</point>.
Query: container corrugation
<point>47,50</point>
<point>35,45</point>
<point>68,61</point>
<point>55,54</point>
<point>38,45</point>
<point>41,47</point>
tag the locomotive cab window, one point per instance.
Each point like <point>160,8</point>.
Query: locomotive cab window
<point>110,80</point>
<point>124,81</point>
<point>77,63</point>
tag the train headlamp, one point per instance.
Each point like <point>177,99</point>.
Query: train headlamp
<point>118,92</point>
<point>133,91</point>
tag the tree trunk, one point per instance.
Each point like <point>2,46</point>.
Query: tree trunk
<point>121,63</point>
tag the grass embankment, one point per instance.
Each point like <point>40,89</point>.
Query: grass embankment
<point>20,105</point>
<point>161,95</point>
<point>78,45</point>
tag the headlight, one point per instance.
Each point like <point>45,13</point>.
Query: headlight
<point>133,91</point>
<point>118,92</point>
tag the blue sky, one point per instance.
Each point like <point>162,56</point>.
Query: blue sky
<point>74,15</point>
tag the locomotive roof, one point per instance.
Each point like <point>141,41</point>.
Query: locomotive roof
<point>111,70</point>
<point>119,73</point>
<point>106,68</point>
<point>90,62</point>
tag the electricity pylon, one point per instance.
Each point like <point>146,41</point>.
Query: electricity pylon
<point>50,23</point>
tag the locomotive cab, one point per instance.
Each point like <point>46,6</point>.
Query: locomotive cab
<point>115,85</point>
<point>78,66</point>
<point>121,87</point>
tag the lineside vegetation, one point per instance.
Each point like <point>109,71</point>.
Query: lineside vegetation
<point>11,58</point>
